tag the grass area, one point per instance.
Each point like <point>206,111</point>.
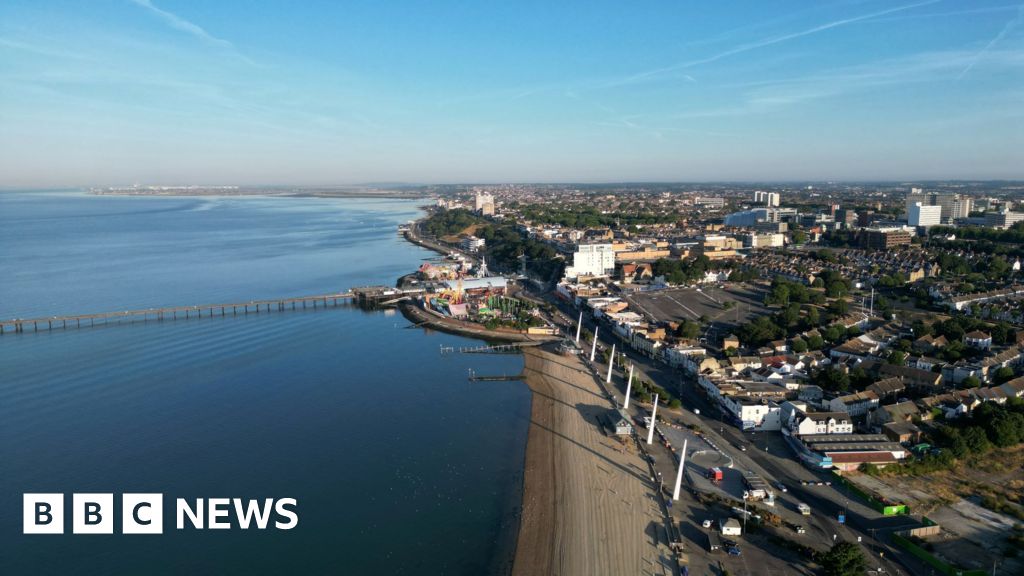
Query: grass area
<point>996,479</point>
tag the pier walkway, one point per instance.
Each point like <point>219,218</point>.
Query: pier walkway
<point>368,296</point>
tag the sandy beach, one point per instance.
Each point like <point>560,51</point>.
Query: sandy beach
<point>588,504</point>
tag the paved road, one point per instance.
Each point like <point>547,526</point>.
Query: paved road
<point>777,464</point>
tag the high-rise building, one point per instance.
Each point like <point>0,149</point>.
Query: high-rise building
<point>1003,218</point>
<point>485,203</point>
<point>923,216</point>
<point>770,199</point>
<point>954,206</point>
<point>846,217</point>
<point>592,260</point>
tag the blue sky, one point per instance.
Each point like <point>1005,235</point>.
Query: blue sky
<point>319,92</point>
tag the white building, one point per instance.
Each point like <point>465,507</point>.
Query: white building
<point>822,423</point>
<point>856,404</point>
<point>730,527</point>
<point>764,240</point>
<point>592,260</point>
<point>485,203</point>
<point>766,198</point>
<point>952,206</point>
<point>922,216</point>
<point>677,355</point>
<point>472,243</point>
<point>753,413</point>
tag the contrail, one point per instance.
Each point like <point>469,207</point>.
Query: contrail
<point>770,41</point>
<point>1006,29</point>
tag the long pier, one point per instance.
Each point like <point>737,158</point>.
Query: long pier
<point>369,296</point>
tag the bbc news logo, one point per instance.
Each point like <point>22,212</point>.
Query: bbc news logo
<point>144,513</point>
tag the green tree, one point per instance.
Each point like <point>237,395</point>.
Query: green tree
<point>839,307</point>
<point>920,328</point>
<point>832,379</point>
<point>1004,374</point>
<point>835,333</point>
<point>813,317</point>
<point>970,382</point>
<point>844,559</point>
<point>688,330</point>
<point>799,346</point>
<point>896,357</point>
<point>815,342</point>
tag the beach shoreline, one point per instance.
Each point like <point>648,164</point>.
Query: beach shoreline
<point>588,500</point>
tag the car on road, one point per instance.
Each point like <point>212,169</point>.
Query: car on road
<point>780,486</point>
<point>733,551</point>
<point>800,530</point>
<point>706,524</point>
<point>741,447</point>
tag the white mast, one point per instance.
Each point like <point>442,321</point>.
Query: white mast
<point>654,414</point>
<point>629,386</point>
<point>611,362</point>
<point>579,327</point>
<point>679,475</point>
<point>593,346</point>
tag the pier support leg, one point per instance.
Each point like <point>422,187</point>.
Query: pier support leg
<point>593,345</point>
<point>579,328</point>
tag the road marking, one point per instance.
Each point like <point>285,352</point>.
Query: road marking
<point>687,308</point>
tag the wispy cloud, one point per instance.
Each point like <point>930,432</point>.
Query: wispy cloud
<point>946,14</point>
<point>937,66</point>
<point>1010,25</point>
<point>658,72</point>
<point>179,23</point>
<point>42,50</point>
<point>197,31</point>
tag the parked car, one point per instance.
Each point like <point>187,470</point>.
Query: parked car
<point>733,551</point>
<point>800,530</point>
<point>706,524</point>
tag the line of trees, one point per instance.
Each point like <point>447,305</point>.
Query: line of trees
<point>450,222</point>
<point>583,216</point>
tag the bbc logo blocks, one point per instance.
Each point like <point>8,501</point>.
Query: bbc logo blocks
<point>43,513</point>
<point>92,513</point>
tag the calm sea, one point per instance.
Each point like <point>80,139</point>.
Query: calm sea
<point>399,464</point>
